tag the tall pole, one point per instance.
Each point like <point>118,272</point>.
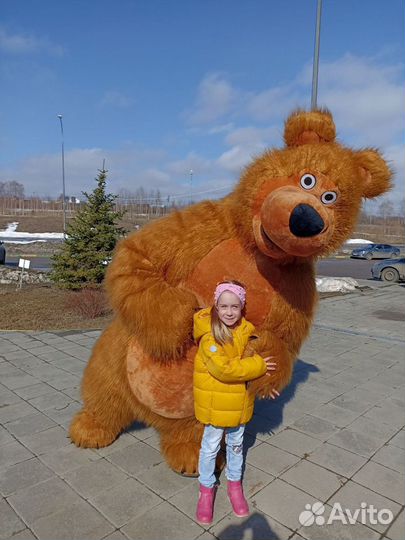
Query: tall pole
<point>63,177</point>
<point>191,186</point>
<point>315,69</point>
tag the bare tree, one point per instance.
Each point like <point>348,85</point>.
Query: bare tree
<point>125,195</point>
<point>140,194</point>
<point>401,207</point>
<point>386,208</point>
<point>11,188</point>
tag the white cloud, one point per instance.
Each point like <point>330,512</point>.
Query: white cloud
<point>235,159</point>
<point>14,43</point>
<point>246,143</point>
<point>43,174</point>
<point>221,128</point>
<point>254,136</point>
<point>274,103</point>
<point>17,43</point>
<point>366,98</point>
<point>114,98</point>
<point>214,100</point>
<point>350,71</point>
<point>153,179</point>
<point>192,162</point>
<point>395,156</point>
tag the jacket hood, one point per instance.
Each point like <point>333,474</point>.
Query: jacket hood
<point>202,323</point>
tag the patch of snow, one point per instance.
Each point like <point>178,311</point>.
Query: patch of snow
<point>11,227</point>
<point>23,241</point>
<point>11,232</point>
<point>331,284</point>
<point>45,235</point>
<point>358,241</point>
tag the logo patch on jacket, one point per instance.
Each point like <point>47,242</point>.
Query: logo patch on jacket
<point>213,348</point>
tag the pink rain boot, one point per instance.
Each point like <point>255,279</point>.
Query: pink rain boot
<point>205,505</point>
<point>237,498</point>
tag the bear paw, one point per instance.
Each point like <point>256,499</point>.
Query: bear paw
<point>183,458</point>
<point>86,432</point>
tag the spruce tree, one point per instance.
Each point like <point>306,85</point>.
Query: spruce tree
<point>90,239</point>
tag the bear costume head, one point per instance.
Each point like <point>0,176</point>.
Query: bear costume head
<point>303,200</point>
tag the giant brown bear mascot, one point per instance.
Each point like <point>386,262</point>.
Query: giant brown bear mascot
<point>291,205</point>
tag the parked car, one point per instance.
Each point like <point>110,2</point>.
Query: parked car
<point>2,253</point>
<point>376,251</point>
<point>391,270</point>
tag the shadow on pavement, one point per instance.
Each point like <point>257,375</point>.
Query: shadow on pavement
<point>255,525</point>
<point>268,414</point>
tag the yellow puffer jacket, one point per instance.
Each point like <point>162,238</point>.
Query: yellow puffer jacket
<point>220,375</point>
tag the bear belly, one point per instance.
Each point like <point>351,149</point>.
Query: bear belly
<point>229,260</point>
<point>166,389</point>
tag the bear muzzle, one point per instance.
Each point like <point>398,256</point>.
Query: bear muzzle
<point>291,222</point>
<point>305,221</point>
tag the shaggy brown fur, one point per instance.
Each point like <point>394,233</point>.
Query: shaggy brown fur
<point>141,367</point>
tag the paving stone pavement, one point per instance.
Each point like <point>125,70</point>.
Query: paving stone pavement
<point>336,435</point>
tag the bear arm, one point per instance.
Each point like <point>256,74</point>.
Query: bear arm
<point>160,316</point>
<point>268,344</point>
<point>285,329</point>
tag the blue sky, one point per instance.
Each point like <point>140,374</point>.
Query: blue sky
<point>161,87</point>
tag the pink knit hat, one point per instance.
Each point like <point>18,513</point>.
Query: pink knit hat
<point>231,287</point>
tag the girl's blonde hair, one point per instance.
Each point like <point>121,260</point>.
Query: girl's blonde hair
<point>222,333</point>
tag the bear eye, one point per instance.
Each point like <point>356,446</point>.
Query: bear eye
<point>329,197</point>
<point>308,181</point>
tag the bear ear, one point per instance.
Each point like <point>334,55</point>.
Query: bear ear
<point>311,127</point>
<point>374,172</point>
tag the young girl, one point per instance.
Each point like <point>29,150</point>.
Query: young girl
<point>221,399</point>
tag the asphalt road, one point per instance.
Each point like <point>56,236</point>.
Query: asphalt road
<point>37,263</point>
<point>355,268</point>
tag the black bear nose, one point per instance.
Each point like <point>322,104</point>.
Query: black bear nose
<point>305,221</point>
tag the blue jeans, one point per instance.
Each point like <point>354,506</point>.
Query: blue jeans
<point>210,445</point>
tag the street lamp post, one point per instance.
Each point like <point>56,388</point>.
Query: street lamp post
<point>63,177</point>
<point>315,69</point>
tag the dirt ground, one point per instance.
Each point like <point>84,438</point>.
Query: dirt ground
<point>34,224</point>
<point>43,307</point>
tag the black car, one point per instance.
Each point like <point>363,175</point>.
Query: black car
<point>391,270</point>
<point>2,253</point>
<point>376,251</point>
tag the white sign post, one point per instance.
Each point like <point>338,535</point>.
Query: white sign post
<point>23,264</point>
